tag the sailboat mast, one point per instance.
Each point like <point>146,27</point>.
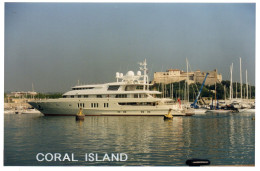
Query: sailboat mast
<point>187,81</point>
<point>241,78</point>
<point>215,95</point>
<point>225,93</point>
<point>179,88</point>
<point>250,95</point>
<point>246,86</point>
<point>236,89</point>
<point>32,88</point>
<point>231,86</point>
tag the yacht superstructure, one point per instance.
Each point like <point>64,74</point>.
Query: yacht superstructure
<point>129,95</point>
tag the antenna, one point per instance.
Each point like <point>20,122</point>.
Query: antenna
<point>32,88</point>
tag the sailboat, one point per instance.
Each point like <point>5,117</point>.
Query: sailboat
<point>216,109</point>
<point>243,105</point>
<point>188,110</point>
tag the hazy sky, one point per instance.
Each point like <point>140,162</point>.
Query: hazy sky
<point>53,45</point>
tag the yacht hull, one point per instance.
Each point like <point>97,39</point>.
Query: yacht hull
<point>71,108</point>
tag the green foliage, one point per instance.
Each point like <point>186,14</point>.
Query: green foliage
<point>48,95</point>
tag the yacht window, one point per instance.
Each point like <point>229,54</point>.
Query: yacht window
<point>79,96</point>
<point>135,95</point>
<point>121,96</point>
<point>93,105</point>
<point>82,105</point>
<point>85,96</point>
<point>105,104</point>
<point>113,88</point>
<point>64,96</point>
<point>139,87</point>
<point>72,96</point>
<point>99,96</point>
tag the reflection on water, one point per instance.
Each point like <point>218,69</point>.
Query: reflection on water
<point>224,139</point>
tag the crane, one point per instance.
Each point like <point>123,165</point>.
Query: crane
<point>194,104</point>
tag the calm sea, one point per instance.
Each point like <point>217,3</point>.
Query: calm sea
<point>224,139</point>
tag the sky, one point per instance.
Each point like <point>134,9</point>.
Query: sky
<point>53,45</point>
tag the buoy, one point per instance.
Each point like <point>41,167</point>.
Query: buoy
<point>168,116</point>
<point>80,115</point>
<point>197,162</point>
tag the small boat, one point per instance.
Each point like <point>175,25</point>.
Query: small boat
<point>218,111</point>
<point>247,110</point>
<point>200,111</point>
<point>8,112</point>
<point>28,111</point>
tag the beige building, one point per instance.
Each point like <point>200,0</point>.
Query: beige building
<point>176,75</point>
<point>22,94</point>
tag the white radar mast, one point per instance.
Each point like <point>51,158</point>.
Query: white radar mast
<point>144,68</point>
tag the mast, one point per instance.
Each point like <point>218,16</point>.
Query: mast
<point>225,93</point>
<point>172,90</point>
<point>215,95</point>
<point>185,89</point>
<point>32,88</point>
<point>236,89</point>
<point>144,68</point>
<point>162,87</point>
<point>246,86</point>
<point>145,72</point>
<point>231,86</point>
<point>32,96</point>
<point>187,81</point>
<point>179,88</point>
<point>241,78</point>
<point>250,94</point>
<point>165,90</point>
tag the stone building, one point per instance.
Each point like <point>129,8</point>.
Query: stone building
<point>176,75</point>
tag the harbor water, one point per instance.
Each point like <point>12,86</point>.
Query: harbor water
<point>224,139</point>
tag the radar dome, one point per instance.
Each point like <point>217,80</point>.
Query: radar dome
<point>139,73</point>
<point>121,74</point>
<point>130,73</point>
<point>117,74</point>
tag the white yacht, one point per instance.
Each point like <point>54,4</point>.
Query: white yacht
<point>129,95</point>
